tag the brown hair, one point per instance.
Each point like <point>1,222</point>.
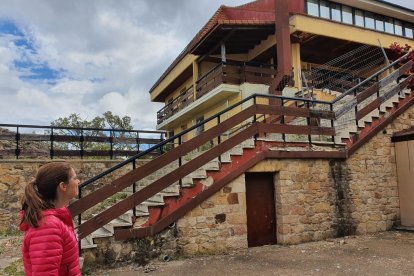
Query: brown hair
<point>40,193</point>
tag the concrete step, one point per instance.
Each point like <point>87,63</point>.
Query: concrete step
<point>157,198</point>
<point>173,190</point>
<point>370,117</point>
<point>225,157</point>
<point>119,223</point>
<point>142,210</point>
<point>213,165</point>
<point>248,144</point>
<point>103,232</point>
<point>87,242</point>
<point>237,150</point>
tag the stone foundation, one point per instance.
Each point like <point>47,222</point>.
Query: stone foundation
<point>15,174</point>
<point>111,253</point>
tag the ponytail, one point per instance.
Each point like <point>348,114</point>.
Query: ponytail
<point>40,193</point>
<point>32,204</point>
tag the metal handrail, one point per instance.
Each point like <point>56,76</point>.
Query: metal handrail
<point>84,128</point>
<point>177,136</point>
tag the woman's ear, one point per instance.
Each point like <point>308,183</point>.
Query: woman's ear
<point>62,186</point>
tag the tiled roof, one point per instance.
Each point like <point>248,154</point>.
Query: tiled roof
<point>260,12</point>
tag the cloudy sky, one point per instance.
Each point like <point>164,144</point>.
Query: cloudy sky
<point>59,57</point>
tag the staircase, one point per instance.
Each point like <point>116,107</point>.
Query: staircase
<point>173,196</point>
<point>160,192</point>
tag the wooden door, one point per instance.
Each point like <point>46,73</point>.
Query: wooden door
<point>404,152</point>
<point>260,201</point>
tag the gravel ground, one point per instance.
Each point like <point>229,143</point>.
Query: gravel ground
<point>388,253</point>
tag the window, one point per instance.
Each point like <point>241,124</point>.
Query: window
<point>409,30</point>
<point>379,23</point>
<point>347,14</point>
<point>389,25</point>
<point>312,7</point>
<point>398,27</point>
<point>369,20</point>
<point>336,12</point>
<point>325,13</point>
<point>359,18</point>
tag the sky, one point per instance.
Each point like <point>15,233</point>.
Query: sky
<point>59,57</point>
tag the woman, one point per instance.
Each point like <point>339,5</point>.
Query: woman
<point>50,246</point>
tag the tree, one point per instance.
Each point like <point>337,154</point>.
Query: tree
<point>108,120</point>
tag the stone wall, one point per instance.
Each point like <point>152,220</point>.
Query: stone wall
<point>315,199</point>
<point>15,174</point>
<point>218,224</point>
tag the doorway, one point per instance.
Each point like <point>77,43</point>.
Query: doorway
<point>260,203</point>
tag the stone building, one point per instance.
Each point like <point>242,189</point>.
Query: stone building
<point>260,153</point>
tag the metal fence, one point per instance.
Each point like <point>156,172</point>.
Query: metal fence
<point>35,141</point>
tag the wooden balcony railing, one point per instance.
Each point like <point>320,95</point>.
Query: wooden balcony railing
<point>235,73</point>
<point>224,72</point>
<point>183,100</point>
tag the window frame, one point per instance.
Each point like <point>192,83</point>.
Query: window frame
<point>375,16</point>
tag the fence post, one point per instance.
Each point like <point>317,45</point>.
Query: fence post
<point>356,109</point>
<point>219,138</point>
<point>111,145</point>
<point>52,153</point>
<point>180,163</point>
<point>138,142</point>
<point>81,144</point>
<point>17,143</point>
<point>309,124</point>
<point>282,121</point>
<point>134,188</point>
<point>255,118</point>
<point>332,123</point>
<point>79,220</point>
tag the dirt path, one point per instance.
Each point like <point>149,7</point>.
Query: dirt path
<point>389,253</point>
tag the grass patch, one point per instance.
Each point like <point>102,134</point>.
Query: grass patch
<point>111,201</point>
<point>16,268</point>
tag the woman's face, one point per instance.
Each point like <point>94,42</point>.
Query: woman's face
<point>73,184</point>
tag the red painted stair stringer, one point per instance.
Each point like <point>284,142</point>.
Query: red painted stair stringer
<point>157,213</point>
<point>357,139</point>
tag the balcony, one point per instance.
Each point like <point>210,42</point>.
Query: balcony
<point>235,73</point>
<point>179,103</point>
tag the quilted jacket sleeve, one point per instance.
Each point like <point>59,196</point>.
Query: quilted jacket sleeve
<point>45,249</point>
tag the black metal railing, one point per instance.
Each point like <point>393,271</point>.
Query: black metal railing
<point>34,141</point>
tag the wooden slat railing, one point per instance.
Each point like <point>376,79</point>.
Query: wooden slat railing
<point>119,184</point>
<point>251,129</point>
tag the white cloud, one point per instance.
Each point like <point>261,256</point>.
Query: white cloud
<point>109,54</point>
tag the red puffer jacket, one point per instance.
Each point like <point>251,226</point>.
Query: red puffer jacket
<point>51,248</point>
